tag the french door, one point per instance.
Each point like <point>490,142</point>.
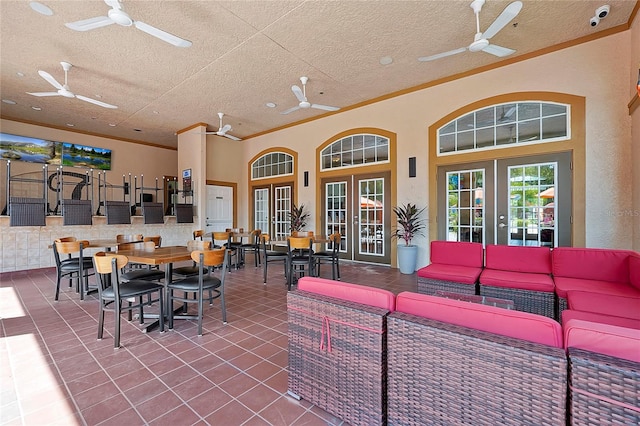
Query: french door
<point>271,207</point>
<point>358,207</point>
<point>522,201</point>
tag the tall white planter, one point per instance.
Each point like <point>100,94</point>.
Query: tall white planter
<point>407,258</point>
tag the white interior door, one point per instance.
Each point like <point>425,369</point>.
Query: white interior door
<point>219,208</point>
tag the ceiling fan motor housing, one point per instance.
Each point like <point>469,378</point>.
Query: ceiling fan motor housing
<point>120,17</point>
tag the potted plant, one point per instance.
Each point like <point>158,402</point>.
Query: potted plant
<point>410,224</point>
<point>298,217</point>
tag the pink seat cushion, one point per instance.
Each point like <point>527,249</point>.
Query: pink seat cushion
<point>520,325</point>
<point>535,260</point>
<point>350,292</point>
<point>520,280</point>
<point>619,342</point>
<point>454,273</point>
<point>457,253</point>
<point>569,314</point>
<point>564,285</point>
<point>591,264</point>
<point>604,304</point>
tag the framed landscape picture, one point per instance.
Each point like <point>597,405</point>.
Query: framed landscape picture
<point>31,150</point>
<point>85,156</point>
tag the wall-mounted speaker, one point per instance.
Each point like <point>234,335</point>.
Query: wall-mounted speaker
<point>412,167</point>
<point>306,178</point>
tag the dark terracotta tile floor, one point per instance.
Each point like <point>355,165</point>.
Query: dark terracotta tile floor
<point>54,371</point>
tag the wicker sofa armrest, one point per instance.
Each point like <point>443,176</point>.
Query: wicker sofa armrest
<point>447,374</point>
<point>337,357</point>
<point>603,387</point>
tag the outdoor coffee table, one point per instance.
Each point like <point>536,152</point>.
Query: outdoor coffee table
<point>483,300</point>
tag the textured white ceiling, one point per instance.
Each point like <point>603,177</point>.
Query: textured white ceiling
<point>248,53</point>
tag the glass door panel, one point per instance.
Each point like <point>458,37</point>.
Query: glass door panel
<point>261,209</point>
<point>371,214</point>
<point>465,205</point>
<point>336,212</point>
<point>282,203</point>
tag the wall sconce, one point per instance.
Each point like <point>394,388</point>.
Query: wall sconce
<point>306,178</point>
<point>412,167</point>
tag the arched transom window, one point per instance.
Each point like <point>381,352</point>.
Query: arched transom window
<point>355,150</point>
<point>513,123</point>
<point>272,164</point>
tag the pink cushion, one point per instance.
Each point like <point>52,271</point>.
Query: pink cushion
<point>457,253</point>
<point>591,264</point>
<point>454,273</point>
<point>350,292</point>
<point>536,260</point>
<point>569,314</point>
<point>564,285</point>
<point>520,325</point>
<point>619,342</point>
<point>606,304</point>
<point>521,280</point>
<point>634,270</point>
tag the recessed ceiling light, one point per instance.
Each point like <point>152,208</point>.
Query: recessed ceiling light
<point>70,125</point>
<point>112,125</point>
<point>36,108</point>
<point>156,112</point>
<point>20,74</point>
<point>41,8</point>
<point>9,101</point>
<point>271,105</point>
<point>386,60</point>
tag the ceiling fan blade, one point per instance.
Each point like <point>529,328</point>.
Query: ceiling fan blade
<point>498,50</point>
<point>52,81</point>
<point>290,110</point>
<point>95,102</point>
<point>90,24</point>
<point>324,107</point>
<point>510,12</point>
<point>233,137</point>
<point>224,129</point>
<point>441,55</point>
<point>298,92</point>
<point>162,35</point>
<point>40,94</point>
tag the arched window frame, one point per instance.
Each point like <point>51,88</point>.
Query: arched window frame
<point>516,115</point>
<point>267,162</point>
<point>343,150</point>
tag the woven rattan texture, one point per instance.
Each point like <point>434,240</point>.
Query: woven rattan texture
<point>153,212</point>
<point>349,380</point>
<point>118,212</point>
<point>536,302</point>
<point>431,286</point>
<point>76,212</point>
<point>27,211</point>
<point>443,374</point>
<point>606,377</point>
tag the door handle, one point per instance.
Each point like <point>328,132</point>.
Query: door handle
<point>501,225</point>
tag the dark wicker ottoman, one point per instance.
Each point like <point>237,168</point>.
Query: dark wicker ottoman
<point>337,356</point>
<point>535,302</point>
<point>604,390</point>
<point>443,374</point>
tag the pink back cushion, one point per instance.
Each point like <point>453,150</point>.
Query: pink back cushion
<point>350,292</point>
<point>591,263</point>
<point>535,260</point>
<point>612,340</point>
<point>520,325</point>
<point>457,253</point>
<point>634,270</point>
<point>569,314</point>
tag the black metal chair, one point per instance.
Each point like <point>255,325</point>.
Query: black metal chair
<point>300,261</point>
<point>139,271</point>
<point>223,240</point>
<point>72,264</point>
<point>208,260</point>
<point>331,256</point>
<point>112,293</point>
<point>271,256</point>
<point>253,246</point>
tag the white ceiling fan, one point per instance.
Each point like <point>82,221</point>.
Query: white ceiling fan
<point>481,40</point>
<point>222,130</point>
<point>117,15</point>
<point>301,94</point>
<point>63,89</point>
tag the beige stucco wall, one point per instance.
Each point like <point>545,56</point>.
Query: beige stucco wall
<point>634,68</point>
<point>597,70</point>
